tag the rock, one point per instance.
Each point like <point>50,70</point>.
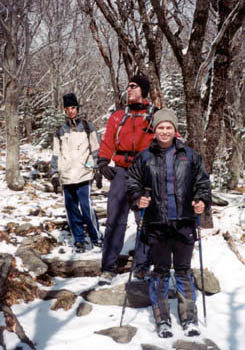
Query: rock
<point>32,261</point>
<point>188,345</point>
<point>43,245</point>
<point>4,237</point>
<point>82,268</point>
<point>119,334</point>
<point>5,266</point>
<point>37,212</point>
<point>211,283</point>
<point>242,238</point>
<point>61,251</point>
<point>64,301</point>
<point>53,294</point>
<point>43,187</point>
<point>151,347</point>
<point>24,228</point>
<point>137,295</point>
<point>84,309</point>
<point>216,200</point>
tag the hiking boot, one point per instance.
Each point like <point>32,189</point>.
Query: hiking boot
<point>191,329</point>
<point>98,243</point>
<point>164,329</point>
<point>79,247</point>
<point>106,278</point>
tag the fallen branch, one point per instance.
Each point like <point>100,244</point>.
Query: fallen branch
<point>233,247</point>
<point>13,325</point>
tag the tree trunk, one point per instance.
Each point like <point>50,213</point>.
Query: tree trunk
<point>218,92</point>
<point>27,119</point>
<point>194,111</point>
<point>14,180</point>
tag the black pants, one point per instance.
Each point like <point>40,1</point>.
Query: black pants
<point>117,218</point>
<point>167,249</point>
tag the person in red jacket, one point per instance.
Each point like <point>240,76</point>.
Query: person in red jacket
<point>128,132</point>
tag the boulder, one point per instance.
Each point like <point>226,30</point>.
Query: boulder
<point>84,309</point>
<point>121,335</point>
<point>32,261</point>
<point>137,295</point>
<point>211,283</point>
<point>191,345</point>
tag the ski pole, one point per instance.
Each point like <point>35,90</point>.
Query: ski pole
<point>201,268</point>
<point>140,226</point>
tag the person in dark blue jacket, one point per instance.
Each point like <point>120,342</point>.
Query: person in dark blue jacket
<point>180,190</point>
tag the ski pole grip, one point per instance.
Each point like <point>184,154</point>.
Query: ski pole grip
<point>147,191</point>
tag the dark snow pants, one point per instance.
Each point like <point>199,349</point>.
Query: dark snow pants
<point>80,211</point>
<point>168,250</point>
<point>117,217</point>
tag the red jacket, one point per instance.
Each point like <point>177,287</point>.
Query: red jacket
<point>134,135</point>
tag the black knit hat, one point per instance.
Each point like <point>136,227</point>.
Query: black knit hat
<point>70,100</point>
<point>143,83</point>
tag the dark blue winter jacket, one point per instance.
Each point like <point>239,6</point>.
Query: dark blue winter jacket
<point>191,182</point>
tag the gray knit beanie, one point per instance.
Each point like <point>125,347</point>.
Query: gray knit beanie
<point>165,115</point>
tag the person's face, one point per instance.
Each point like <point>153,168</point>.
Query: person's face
<point>164,133</point>
<point>134,93</point>
<point>71,112</point>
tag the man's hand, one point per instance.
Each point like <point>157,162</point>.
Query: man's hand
<point>198,206</point>
<point>143,202</point>
<point>107,171</point>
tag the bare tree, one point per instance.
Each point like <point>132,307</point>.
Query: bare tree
<point>234,120</point>
<point>199,34</point>
<point>189,57</point>
<point>139,39</point>
<point>230,18</point>
<point>69,61</point>
<point>14,25</point>
<point>105,45</point>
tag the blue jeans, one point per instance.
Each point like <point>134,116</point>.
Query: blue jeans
<point>80,211</point>
<point>117,217</point>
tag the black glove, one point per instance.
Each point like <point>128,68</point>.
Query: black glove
<point>98,179</point>
<point>56,183</point>
<point>107,171</point>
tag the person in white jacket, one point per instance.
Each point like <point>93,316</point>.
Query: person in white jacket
<point>75,148</point>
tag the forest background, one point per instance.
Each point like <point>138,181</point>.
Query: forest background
<point>193,51</point>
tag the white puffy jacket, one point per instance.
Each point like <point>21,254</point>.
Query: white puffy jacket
<point>72,159</point>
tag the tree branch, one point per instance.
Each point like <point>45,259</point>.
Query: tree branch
<point>204,66</point>
<point>174,41</point>
<point>233,247</point>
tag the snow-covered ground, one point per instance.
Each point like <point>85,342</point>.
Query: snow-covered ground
<point>62,330</point>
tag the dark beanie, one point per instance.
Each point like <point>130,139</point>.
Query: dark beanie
<point>70,100</point>
<point>143,83</point>
<point>165,115</point>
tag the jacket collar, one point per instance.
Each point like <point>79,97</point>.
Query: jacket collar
<point>139,106</point>
<point>179,145</point>
<point>73,122</point>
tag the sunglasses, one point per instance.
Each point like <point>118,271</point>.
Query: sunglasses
<point>133,86</point>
